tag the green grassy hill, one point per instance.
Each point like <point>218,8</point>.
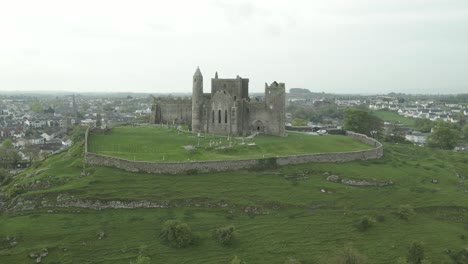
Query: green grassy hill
<point>292,211</point>
<point>152,143</point>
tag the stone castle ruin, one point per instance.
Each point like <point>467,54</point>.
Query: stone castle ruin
<point>227,110</point>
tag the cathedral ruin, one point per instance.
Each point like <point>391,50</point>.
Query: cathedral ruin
<point>227,110</point>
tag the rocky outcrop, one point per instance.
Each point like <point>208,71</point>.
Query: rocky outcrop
<point>338,179</point>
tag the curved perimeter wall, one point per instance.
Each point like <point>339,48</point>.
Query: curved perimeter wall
<point>228,165</point>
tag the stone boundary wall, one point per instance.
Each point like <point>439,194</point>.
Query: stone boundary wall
<point>229,165</point>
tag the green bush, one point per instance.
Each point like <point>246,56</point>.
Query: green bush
<point>177,234</point>
<point>460,257</point>
<point>225,235</point>
<point>365,223</point>
<point>405,211</point>
<point>415,253</point>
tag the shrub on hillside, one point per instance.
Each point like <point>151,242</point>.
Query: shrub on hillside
<point>460,257</point>
<point>415,253</point>
<point>78,134</point>
<point>177,234</point>
<point>405,211</point>
<point>5,177</point>
<point>365,223</point>
<point>225,235</point>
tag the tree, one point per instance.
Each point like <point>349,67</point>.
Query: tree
<point>78,134</point>
<point>361,121</point>
<point>395,134</point>
<point>7,144</point>
<point>415,253</point>
<point>423,124</point>
<point>9,156</point>
<point>465,131</point>
<point>299,122</point>
<point>36,106</point>
<point>376,126</point>
<point>461,118</point>
<point>141,260</point>
<point>31,151</point>
<point>4,176</point>
<point>442,137</point>
<point>225,235</point>
<point>177,234</point>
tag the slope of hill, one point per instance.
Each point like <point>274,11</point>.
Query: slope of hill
<point>308,212</point>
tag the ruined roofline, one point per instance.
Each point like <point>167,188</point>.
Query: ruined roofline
<point>229,79</point>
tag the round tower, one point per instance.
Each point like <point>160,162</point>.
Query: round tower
<point>197,100</point>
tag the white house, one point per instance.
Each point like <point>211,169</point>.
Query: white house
<point>417,137</point>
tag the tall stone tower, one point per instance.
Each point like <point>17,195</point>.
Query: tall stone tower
<point>197,101</point>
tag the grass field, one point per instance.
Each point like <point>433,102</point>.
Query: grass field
<point>302,215</point>
<point>152,143</point>
<point>394,117</point>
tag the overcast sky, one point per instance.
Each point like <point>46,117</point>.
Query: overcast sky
<point>337,46</point>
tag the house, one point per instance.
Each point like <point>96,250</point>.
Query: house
<point>47,137</point>
<point>417,137</point>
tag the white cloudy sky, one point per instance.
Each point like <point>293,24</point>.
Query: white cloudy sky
<point>339,46</point>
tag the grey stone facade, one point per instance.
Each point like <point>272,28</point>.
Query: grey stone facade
<point>227,110</point>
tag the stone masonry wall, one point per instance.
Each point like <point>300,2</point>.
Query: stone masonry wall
<point>229,165</point>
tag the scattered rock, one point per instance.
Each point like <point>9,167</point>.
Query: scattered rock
<point>434,181</point>
<point>101,235</point>
<point>38,256</point>
<point>338,179</point>
<point>14,243</point>
<point>334,178</point>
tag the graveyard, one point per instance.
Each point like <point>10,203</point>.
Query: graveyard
<point>159,143</point>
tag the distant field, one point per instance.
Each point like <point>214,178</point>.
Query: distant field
<point>151,143</point>
<point>393,116</point>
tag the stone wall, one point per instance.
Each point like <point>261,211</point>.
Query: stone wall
<point>171,110</point>
<point>229,165</point>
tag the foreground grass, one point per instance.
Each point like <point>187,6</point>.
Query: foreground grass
<point>303,215</point>
<point>152,143</point>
